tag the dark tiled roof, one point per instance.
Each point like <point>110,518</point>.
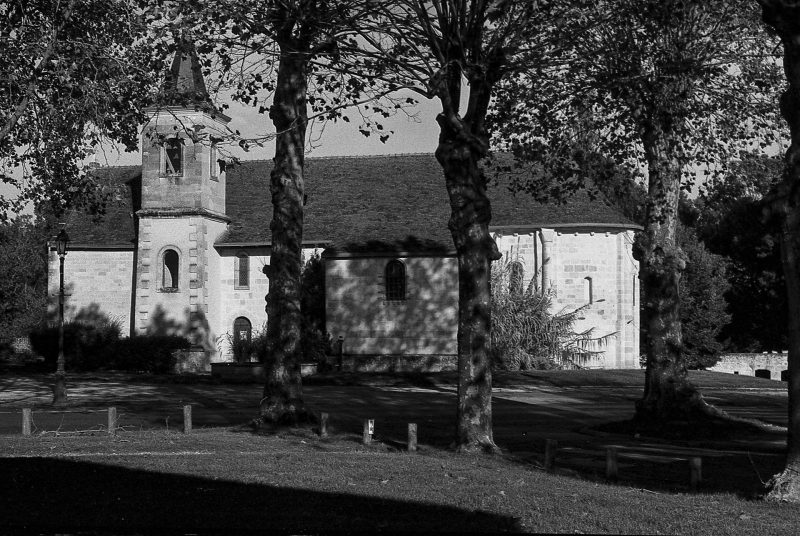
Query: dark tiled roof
<point>115,226</point>
<point>372,203</point>
<point>389,203</point>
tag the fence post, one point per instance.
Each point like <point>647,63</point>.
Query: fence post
<point>612,467</point>
<point>550,448</point>
<point>339,352</point>
<point>323,425</point>
<point>412,437</point>
<point>369,429</point>
<point>187,419</point>
<point>27,417</point>
<point>112,421</point>
<point>695,472</point>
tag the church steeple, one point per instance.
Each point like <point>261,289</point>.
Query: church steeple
<point>184,84</point>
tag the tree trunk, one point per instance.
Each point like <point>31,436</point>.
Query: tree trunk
<point>785,19</point>
<point>475,248</point>
<point>282,401</point>
<point>668,395</point>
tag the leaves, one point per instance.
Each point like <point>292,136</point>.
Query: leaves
<point>74,74</point>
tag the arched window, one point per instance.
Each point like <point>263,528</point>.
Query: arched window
<point>588,291</point>
<point>395,280</point>
<point>169,276</point>
<point>241,274</point>
<point>173,157</point>
<point>516,275</point>
<point>242,333</point>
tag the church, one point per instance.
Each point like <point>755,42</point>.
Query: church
<point>182,249</point>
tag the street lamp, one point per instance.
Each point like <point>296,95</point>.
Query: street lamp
<point>60,387</point>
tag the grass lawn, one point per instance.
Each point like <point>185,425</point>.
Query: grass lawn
<point>233,481</point>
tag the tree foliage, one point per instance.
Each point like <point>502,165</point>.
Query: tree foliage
<point>731,223</point>
<point>703,305</point>
<point>75,73</point>
<point>23,287</point>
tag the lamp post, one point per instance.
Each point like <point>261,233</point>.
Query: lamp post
<point>60,387</point>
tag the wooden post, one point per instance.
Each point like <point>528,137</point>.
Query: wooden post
<point>339,352</point>
<point>612,468</point>
<point>412,437</point>
<point>112,421</point>
<point>369,429</point>
<point>323,425</point>
<point>695,472</point>
<point>27,417</point>
<point>550,448</point>
<point>187,419</point>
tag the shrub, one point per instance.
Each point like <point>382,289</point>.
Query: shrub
<point>525,335</point>
<point>147,353</point>
<point>87,346</point>
<point>94,346</point>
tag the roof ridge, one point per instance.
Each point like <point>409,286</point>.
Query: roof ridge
<point>341,157</point>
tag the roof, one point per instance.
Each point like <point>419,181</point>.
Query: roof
<point>184,86</point>
<point>355,204</point>
<point>115,226</point>
<point>390,203</point>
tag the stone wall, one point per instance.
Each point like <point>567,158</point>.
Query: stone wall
<point>97,285</point>
<point>248,302</point>
<point>424,323</point>
<point>184,310</point>
<point>196,186</point>
<point>589,269</point>
<point>753,364</point>
<point>238,302</point>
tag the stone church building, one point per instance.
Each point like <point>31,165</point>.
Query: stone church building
<point>182,249</point>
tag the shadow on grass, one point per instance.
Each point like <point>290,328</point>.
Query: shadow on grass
<point>47,494</point>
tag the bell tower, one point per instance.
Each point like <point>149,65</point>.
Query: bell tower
<point>180,165</point>
<point>182,206</point>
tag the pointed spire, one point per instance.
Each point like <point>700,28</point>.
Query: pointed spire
<point>184,84</point>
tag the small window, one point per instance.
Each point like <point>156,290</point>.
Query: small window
<point>395,280</point>
<point>213,167</point>
<point>516,275</point>
<point>170,270</point>
<point>588,291</point>
<point>242,271</point>
<point>763,373</point>
<point>173,157</point>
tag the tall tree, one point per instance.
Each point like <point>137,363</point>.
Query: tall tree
<point>783,17</point>
<point>457,51</point>
<point>282,56</point>
<point>74,74</point>
<point>672,89</point>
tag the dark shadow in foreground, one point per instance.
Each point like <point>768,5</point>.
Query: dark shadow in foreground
<point>49,494</point>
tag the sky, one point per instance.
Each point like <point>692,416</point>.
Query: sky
<point>417,133</point>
